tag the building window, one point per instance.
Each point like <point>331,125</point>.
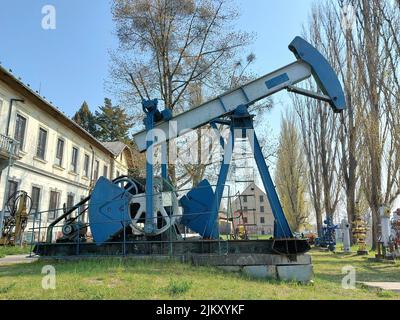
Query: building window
<point>261,208</point>
<point>54,204</point>
<point>245,220</point>
<point>41,147</point>
<point>20,127</point>
<point>244,198</point>
<point>262,220</point>
<point>245,209</point>
<point>118,174</point>
<point>60,152</point>
<point>105,171</point>
<point>35,200</point>
<point>82,210</point>
<point>96,170</point>
<point>70,203</point>
<point>74,160</point>
<point>86,166</point>
<point>70,200</point>
<point>261,198</point>
<point>12,189</point>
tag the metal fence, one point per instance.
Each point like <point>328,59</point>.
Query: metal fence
<point>38,231</point>
<point>9,146</point>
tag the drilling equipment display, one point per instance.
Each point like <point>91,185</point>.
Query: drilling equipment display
<point>19,207</point>
<point>359,231</point>
<point>328,238</point>
<point>388,241</point>
<point>145,216</point>
<point>396,228</point>
<point>345,231</point>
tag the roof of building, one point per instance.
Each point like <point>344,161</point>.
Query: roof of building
<point>115,147</point>
<point>41,102</point>
<point>250,189</point>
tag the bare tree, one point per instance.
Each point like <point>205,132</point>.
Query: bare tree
<point>291,174</point>
<point>377,62</point>
<point>320,130</point>
<point>167,45</point>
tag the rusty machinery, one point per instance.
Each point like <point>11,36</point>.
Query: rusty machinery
<point>359,232</point>
<point>396,227</point>
<point>389,234</point>
<point>19,206</point>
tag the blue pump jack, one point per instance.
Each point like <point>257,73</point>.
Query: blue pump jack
<point>201,205</point>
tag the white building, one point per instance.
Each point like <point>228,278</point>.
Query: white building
<point>56,161</point>
<point>257,213</point>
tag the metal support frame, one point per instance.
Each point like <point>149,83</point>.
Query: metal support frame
<point>150,108</point>
<point>242,121</point>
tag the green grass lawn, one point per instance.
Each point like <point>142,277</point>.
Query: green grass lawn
<point>130,279</point>
<point>11,250</point>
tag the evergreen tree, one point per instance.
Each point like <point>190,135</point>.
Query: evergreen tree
<point>85,118</point>
<point>112,123</point>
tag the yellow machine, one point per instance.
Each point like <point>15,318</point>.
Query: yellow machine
<point>242,232</point>
<point>19,205</point>
<point>359,231</point>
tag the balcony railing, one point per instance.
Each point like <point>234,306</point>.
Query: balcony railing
<point>9,147</point>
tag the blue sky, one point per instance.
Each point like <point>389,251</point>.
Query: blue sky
<point>70,64</point>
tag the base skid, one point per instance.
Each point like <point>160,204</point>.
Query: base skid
<point>174,248</point>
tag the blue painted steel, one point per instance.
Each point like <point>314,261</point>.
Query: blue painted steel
<point>221,139</point>
<point>198,211</point>
<point>274,82</point>
<point>153,115</point>
<point>108,210</point>
<point>166,114</point>
<point>282,229</point>
<point>202,199</point>
<point>164,161</point>
<point>150,108</point>
<point>322,71</point>
<point>328,238</point>
<point>224,171</point>
<point>201,206</point>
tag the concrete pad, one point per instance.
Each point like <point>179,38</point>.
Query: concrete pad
<point>17,259</point>
<point>265,272</point>
<point>250,259</point>
<point>388,286</point>
<point>298,273</point>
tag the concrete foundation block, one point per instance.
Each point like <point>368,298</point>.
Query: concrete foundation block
<point>250,259</point>
<point>231,268</point>
<point>265,272</point>
<point>298,273</point>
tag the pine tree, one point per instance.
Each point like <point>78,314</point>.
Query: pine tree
<point>113,123</point>
<point>85,118</point>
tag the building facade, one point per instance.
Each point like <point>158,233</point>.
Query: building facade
<point>53,159</point>
<point>257,213</point>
